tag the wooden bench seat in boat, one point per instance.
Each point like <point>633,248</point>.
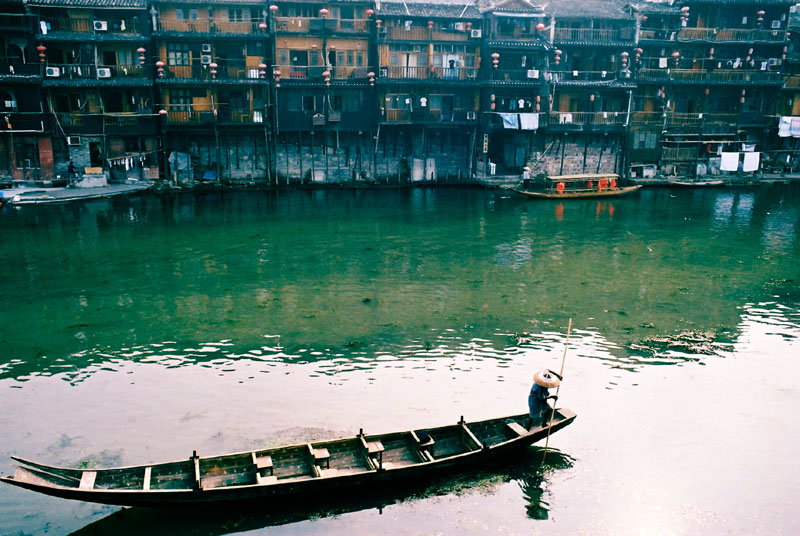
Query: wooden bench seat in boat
<point>425,448</point>
<point>517,428</point>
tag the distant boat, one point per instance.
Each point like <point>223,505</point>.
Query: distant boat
<point>296,470</point>
<point>696,183</point>
<point>582,186</point>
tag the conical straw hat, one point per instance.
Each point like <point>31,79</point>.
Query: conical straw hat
<point>545,378</point>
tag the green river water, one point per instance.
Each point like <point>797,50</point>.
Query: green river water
<point>136,330</point>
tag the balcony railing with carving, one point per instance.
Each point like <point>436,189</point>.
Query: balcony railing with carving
<point>425,115</point>
<point>676,119</point>
<point>114,25</point>
<point>211,26</point>
<point>720,76</point>
<point>319,25</point>
<point>20,69</point>
<point>428,73</point>
<point>591,35</point>
<point>187,114</point>
<point>590,118</point>
<point>520,75</point>
<point>730,34</point>
<point>567,76</point>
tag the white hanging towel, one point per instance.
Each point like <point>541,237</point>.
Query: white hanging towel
<point>662,63</point>
<point>751,161</point>
<point>730,162</point>
<point>529,121</point>
<point>785,127</point>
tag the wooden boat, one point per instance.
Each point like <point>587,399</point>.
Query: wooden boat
<point>696,184</point>
<point>304,469</point>
<point>583,186</point>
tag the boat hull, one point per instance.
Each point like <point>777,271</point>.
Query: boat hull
<point>30,476</point>
<point>616,192</point>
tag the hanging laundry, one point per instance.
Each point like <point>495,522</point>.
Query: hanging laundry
<point>751,161</point>
<point>529,121</point>
<point>796,127</point>
<point>785,127</point>
<point>510,120</point>
<point>730,162</point>
<point>662,63</point>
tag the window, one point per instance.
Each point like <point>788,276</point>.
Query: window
<point>186,14</point>
<point>644,140</point>
<point>178,54</point>
<point>180,100</point>
<point>347,102</point>
<point>238,15</point>
<point>398,102</point>
<point>309,103</point>
<point>26,151</point>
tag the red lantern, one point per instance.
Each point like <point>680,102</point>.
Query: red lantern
<point>370,12</point>
<point>273,8</point>
<point>540,27</point>
<point>430,25</point>
<point>262,26</point>
<point>162,112</point>
<point>213,70</point>
<point>323,12</point>
<point>262,70</point>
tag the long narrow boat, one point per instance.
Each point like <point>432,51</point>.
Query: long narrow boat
<point>579,194</point>
<point>581,186</point>
<point>296,470</point>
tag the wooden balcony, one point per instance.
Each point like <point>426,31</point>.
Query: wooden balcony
<point>22,122</point>
<point>533,76</point>
<point>734,35</point>
<point>717,76</point>
<point>87,25</point>
<point>211,26</point>
<point>413,33</point>
<point>588,77</point>
<point>13,21</point>
<point>678,120</point>
<point>587,118</point>
<point>20,69</point>
<point>189,115</point>
<point>426,73</point>
<point>590,35</point>
<point>318,25</point>
<point>427,115</point>
<point>447,35</point>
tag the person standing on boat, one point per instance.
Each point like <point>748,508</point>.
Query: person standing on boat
<point>539,410</point>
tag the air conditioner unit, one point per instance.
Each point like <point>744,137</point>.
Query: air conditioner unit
<point>533,73</point>
<point>54,72</point>
<point>471,116</point>
<point>205,59</point>
<point>475,34</point>
<point>73,140</point>
<point>774,61</point>
<point>103,72</point>
<point>776,24</point>
<point>206,48</point>
<point>100,26</point>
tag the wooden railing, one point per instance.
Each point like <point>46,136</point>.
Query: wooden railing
<point>226,70</point>
<point>426,73</point>
<point>728,34</point>
<point>430,115</point>
<point>717,75</point>
<point>447,35</point>
<point>207,26</point>
<point>414,33</point>
<point>675,119</point>
<point>315,24</point>
<point>588,34</point>
<point>592,118</point>
<point>583,76</point>
<point>398,115</point>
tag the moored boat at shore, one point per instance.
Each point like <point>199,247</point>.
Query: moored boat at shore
<point>302,469</point>
<point>582,186</point>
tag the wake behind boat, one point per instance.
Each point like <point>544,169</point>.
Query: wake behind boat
<point>303,469</point>
<point>583,186</point>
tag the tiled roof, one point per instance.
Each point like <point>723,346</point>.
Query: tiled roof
<point>587,9</point>
<point>518,6</point>
<point>656,8</point>
<point>141,4</point>
<point>462,9</point>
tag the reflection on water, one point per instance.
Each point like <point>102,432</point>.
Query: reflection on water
<point>526,469</point>
<point>221,321</point>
